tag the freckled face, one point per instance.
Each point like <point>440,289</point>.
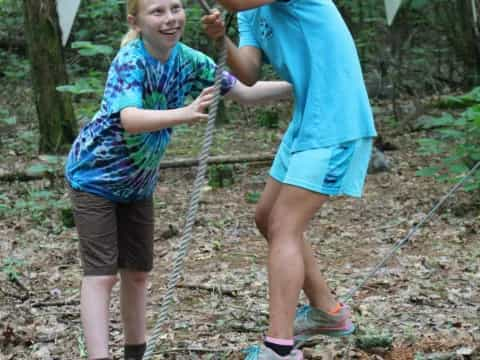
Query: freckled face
<point>161,23</point>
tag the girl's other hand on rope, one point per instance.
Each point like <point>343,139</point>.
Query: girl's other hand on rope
<point>213,25</point>
<point>197,109</point>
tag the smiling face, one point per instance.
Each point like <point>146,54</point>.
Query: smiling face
<point>161,24</point>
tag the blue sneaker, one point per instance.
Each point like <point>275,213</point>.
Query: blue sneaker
<point>310,322</point>
<point>261,352</point>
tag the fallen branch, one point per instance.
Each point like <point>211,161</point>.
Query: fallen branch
<point>17,282</point>
<point>56,303</point>
<point>221,159</point>
<point>378,163</point>
<point>168,164</point>
<point>194,349</point>
<point>223,290</point>
<point>21,297</point>
<point>69,301</point>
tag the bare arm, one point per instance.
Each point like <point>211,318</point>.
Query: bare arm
<point>136,120</point>
<point>239,5</point>
<point>245,63</point>
<point>260,93</point>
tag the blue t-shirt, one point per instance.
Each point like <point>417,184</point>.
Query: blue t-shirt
<point>309,45</point>
<point>106,160</point>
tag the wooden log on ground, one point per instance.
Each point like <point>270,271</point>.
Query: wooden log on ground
<point>167,164</point>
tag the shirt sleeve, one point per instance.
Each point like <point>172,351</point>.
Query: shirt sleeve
<point>246,34</point>
<point>124,87</point>
<point>205,76</point>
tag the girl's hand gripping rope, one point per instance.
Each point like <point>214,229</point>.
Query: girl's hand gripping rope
<point>197,110</point>
<point>214,25</point>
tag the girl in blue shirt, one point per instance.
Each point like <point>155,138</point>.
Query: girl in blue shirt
<point>324,152</point>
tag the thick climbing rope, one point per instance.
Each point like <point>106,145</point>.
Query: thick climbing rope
<point>193,205</point>
<point>411,232</point>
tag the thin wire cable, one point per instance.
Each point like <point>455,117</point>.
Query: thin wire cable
<point>412,231</point>
<point>192,209</point>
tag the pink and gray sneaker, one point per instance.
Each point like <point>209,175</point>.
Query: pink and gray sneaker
<point>310,322</point>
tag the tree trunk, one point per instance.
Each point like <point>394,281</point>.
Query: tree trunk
<point>54,109</point>
<point>462,34</point>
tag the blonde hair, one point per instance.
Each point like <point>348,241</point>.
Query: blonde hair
<point>132,9</point>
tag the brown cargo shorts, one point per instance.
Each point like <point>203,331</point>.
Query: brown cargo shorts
<point>113,236</point>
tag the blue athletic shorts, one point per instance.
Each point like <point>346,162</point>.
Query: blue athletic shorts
<point>335,170</point>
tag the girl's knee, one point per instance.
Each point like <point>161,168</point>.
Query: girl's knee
<point>274,230</point>
<point>280,229</point>
<point>104,281</point>
<point>137,278</point>
<point>261,220</point>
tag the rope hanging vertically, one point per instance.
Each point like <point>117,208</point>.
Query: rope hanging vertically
<point>193,206</point>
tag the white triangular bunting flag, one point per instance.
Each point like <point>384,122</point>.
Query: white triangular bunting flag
<point>67,9</point>
<point>392,7</point>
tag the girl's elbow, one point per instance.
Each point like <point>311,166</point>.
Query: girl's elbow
<point>132,129</point>
<point>128,125</point>
<point>127,122</point>
<point>247,79</point>
<point>250,80</point>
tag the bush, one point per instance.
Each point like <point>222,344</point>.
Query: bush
<point>457,139</point>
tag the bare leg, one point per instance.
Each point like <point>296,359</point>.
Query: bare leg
<point>133,299</point>
<point>94,303</point>
<point>314,284</point>
<point>288,219</point>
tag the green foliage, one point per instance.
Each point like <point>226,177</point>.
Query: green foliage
<point>102,9</point>
<point>50,165</point>
<point>221,175</point>
<point>252,197</point>
<point>13,66</point>
<point>457,139</point>
<point>433,39</point>
<point>417,4</point>
<point>88,85</point>
<point>6,119</point>
<point>419,356</point>
<point>66,214</point>
<point>12,268</point>
<point>27,142</point>
<point>12,15</point>
<point>268,118</point>
<point>4,207</point>
<point>39,204</point>
<point>194,35</point>
<point>372,338</point>
<point>101,21</point>
<point>82,347</point>
<point>461,102</point>
<point>87,48</point>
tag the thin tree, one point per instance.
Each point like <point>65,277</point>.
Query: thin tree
<point>56,117</point>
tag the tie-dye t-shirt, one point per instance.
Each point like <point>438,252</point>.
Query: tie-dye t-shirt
<point>106,160</point>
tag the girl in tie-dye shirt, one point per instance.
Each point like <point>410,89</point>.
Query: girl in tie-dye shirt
<point>113,166</point>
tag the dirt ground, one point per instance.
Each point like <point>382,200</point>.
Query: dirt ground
<point>424,304</point>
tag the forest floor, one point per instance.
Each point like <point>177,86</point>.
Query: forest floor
<point>423,304</point>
